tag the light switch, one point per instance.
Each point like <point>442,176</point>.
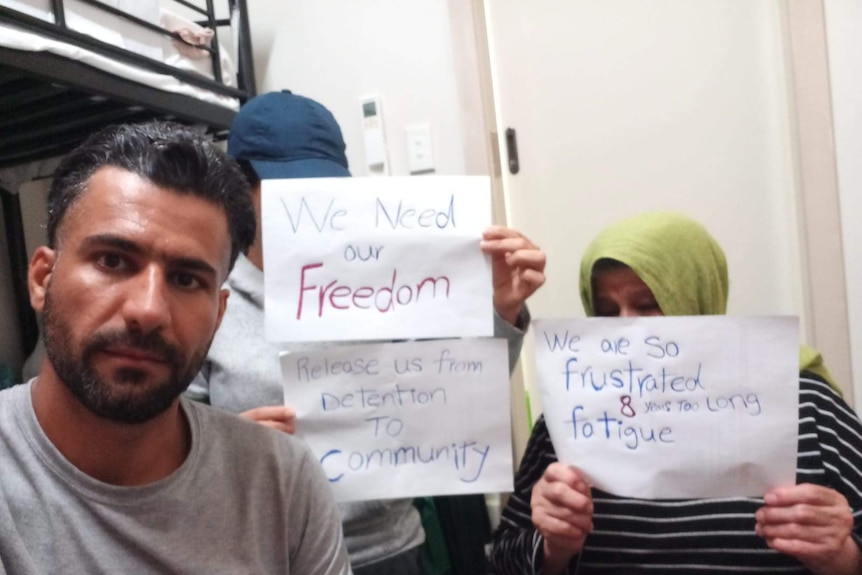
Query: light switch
<point>420,149</point>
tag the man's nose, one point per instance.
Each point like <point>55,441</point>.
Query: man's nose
<point>146,308</point>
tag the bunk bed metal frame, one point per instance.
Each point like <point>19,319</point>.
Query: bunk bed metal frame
<point>49,104</point>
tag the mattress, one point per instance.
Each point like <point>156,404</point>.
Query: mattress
<point>113,30</point>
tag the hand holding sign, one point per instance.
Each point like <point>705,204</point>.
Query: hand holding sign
<point>517,267</point>
<point>280,417</point>
<point>812,523</point>
<point>562,512</point>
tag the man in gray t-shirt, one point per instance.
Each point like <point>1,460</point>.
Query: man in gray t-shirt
<point>104,468</point>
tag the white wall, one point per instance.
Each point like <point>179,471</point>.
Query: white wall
<point>843,27</point>
<point>265,19</point>
<point>337,51</point>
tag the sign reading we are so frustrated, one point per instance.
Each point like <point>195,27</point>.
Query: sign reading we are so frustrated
<point>673,407</point>
<point>376,258</point>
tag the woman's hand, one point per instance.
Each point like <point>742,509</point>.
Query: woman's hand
<point>518,269</point>
<point>562,512</point>
<point>813,524</point>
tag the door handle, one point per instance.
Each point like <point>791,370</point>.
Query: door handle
<point>512,151</point>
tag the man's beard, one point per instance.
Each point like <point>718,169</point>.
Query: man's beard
<point>121,400</point>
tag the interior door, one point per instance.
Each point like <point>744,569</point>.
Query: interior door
<point>624,106</point>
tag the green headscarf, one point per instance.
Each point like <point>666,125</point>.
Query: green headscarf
<point>811,361</point>
<point>682,265</point>
<point>675,256</point>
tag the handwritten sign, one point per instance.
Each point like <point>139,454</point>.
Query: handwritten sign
<point>405,419</point>
<point>673,407</point>
<point>376,258</point>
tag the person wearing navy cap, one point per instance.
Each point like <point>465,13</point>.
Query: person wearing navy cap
<point>285,135</point>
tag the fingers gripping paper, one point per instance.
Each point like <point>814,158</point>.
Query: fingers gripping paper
<point>673,407</point>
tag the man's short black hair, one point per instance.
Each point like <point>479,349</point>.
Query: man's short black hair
<point>170,156</point>
<point>249,173</point>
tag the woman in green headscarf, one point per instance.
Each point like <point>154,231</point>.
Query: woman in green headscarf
<point>680,262</point>
<point>667,264</point>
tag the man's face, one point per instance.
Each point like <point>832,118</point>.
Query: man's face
<point>133,296</point>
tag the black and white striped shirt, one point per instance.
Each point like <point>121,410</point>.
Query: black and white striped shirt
<point>693,535</point>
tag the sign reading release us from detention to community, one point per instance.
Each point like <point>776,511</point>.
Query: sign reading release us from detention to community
<point>376,258</point>
<point>673,407</point>
<point>405,419</point>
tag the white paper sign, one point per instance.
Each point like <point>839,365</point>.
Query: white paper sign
<point>673,407</point>
<point>376,258</point>
<point>405,419</point>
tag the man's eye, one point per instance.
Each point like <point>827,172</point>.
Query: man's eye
<point>112,262</point>
<point>187,281</point>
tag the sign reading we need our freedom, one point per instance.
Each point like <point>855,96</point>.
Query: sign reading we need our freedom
<point>376,258</point>
<point>405,419</point>
<point>673,407</point>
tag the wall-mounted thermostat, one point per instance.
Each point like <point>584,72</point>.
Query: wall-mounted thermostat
<point>372,129</point>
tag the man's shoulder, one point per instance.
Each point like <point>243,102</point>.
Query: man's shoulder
<point>237,433</point>
<point>266,456</point>
<point>11,395</point>
<point>12,389</point>
<point>6,393</point>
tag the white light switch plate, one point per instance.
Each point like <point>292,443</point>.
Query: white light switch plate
<point>420,148</point>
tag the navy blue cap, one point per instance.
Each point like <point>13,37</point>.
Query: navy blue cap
<point>283,135</point>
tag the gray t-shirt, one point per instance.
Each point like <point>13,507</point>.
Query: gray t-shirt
<point>247,499</point>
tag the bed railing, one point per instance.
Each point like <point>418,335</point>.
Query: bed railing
<point>50,103</point>
<point>60,31</point>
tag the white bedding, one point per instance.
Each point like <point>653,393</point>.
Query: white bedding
<point>150,44</point>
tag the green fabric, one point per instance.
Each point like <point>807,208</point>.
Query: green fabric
<point>682,265</point>
<point>436,560</point>
<point>811,361</point>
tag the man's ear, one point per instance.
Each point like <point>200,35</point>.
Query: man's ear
<point>39,276</point>
<point>222,306</point>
